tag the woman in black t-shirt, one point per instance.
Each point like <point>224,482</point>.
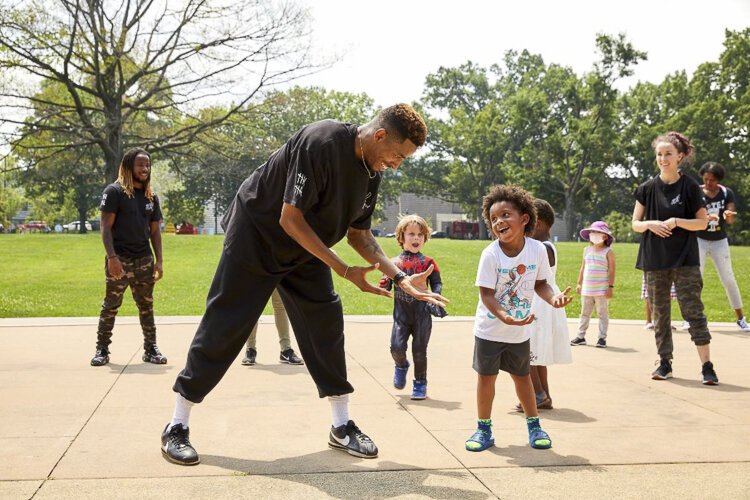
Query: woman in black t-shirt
<point>669,209</point>
<point>713,240</point>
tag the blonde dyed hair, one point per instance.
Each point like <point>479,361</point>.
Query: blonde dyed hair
<point>405,220</point>
<point>125,174</point>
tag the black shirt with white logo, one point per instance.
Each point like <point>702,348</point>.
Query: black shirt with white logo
<point>133,216</point>
<point>717,229</point>
<point>317,172</point>
<point>682,199</point>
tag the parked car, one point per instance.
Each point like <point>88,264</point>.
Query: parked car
<point>390,235</point>
<point>35,225</point>
<point>439,234</point>
<point>73,227</point>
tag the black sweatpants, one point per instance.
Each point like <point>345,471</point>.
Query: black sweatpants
<point>234,304</point>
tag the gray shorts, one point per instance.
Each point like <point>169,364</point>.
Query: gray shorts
<point>490,357</point>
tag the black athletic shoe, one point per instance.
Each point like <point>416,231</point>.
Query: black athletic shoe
<point>101,357</point>
<point>290,357</point>
<point>664,371</point>
<point>176,447</point>
<point>249,358</point>
<point>601,343</point>
<point>709,375</point>
<point>578,341</point>
<point>350,439</point>
<point>153,355</point>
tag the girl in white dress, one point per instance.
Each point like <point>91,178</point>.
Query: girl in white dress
<point>549,332</point>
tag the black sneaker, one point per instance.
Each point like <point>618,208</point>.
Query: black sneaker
<point>101,357</point>
<point>664,371</point>
<point>153,355</point>
<point>601,343</point>
<point>578,341</point>
<point>290,357</point>
<point>176,447</point>
<point>350,439</point>
<point>709,375</point>
<point>249,358</point>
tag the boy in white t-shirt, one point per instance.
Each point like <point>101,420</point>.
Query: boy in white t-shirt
<point>511,269</point>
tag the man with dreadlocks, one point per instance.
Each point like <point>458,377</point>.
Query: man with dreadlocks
<point>131,216</point>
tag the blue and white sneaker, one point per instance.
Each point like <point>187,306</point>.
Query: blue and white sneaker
<point>350,439</point>
<point>420,390</point>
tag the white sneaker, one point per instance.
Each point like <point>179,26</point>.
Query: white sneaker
<point>743,324</point>
<point>649,326</point>
<point>685,326</point>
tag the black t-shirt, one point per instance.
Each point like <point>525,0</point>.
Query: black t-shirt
<point>717,230</point>
<point>317,172</point>
<point>682,200</point>
<point>133,217</point>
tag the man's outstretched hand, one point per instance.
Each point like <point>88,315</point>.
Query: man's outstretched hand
<point>416,286</point>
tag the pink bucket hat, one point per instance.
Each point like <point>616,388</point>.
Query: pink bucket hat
<point>601,227</point>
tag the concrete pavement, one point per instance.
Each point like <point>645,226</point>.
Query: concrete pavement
<point>69,430</point>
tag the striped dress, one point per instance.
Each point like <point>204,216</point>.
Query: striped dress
<point>595,271</point>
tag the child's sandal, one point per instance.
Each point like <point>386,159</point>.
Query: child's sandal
<point>539,439</point>
<point>479,441</point>
<point>545,405</point>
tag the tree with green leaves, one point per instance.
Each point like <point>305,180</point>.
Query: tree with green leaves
<point>217,163</point>
<point>151,65</point>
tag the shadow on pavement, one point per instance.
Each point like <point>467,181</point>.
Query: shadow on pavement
<point>407,402</point>
<point>401,479</point>
<point>697,383</point>
<point>526,456</point>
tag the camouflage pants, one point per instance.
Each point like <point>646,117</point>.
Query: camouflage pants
<point>139,275</point>
<point>688,284</point>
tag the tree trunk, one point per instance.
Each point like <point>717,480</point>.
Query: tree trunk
<point>570,216</point>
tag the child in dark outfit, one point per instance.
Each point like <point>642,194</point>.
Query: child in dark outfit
<point>412,317</point>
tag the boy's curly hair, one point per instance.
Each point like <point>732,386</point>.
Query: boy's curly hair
<point>515,195</point>
<point>544,212</point>
<point>405,220</point>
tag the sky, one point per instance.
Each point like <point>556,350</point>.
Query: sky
<point>387,48</point>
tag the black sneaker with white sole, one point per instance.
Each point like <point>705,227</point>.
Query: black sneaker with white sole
<point>709,375</point>
<point>578,341</point>
<point>290,357</point>
<point>663,371</point>
<point>350,439</point>
<point>152,354</point>
<point>101,357</point>
<point>601,343</point>
<point>176,447</point>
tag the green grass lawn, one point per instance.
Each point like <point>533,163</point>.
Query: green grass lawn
<point>63,275</point>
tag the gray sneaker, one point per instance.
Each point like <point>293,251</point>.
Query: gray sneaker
<point>290,357</point>
<point>249,359</point>
<point>350,439</point>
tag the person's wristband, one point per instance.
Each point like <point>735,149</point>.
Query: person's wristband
<point>347,271</point>
<point>399,277</point>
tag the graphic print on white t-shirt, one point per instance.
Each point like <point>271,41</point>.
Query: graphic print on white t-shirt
<point>513,280</point>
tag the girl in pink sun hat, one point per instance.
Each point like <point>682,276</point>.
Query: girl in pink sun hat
<point>596,281</point>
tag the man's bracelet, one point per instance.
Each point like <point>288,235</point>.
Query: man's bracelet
<point>399,276</point>
<point>347,271</point>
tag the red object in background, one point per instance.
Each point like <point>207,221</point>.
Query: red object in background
<point>186,228</point>
<point>463,230</point>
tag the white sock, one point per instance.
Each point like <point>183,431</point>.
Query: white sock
<point>181,414</point>
<point>339,409</point>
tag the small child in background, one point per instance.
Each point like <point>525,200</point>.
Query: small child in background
<point>549,333</point>
<point>412,317</point>
<point>596,280</point>
<point>644,296</point>
<point>511,270</point>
